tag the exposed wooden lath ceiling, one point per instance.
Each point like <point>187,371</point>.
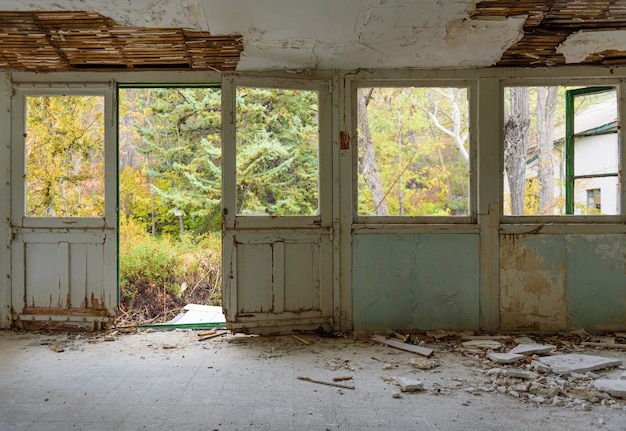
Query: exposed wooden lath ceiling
<point>550,22</point>
<point>59,41</point>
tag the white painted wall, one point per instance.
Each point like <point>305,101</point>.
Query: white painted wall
<point>596,155</point>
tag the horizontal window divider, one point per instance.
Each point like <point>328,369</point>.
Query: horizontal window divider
<point>415,228</point>
<point>614,174</point>
<point>561,228</point>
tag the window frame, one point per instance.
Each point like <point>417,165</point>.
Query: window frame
<point>564,218</point>
<point>323,87</point>
<point>18,207</point>
<point>471,85</point>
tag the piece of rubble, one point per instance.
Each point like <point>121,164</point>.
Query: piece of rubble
<point>523,340</point>
<point>538,366</point>
<point>522,374</point>
<point>616,388</point>
<point>410,385</point>
<point>482,344</point>
<point>403,346</point>
<point>577,363</point>
<point>621,346</point>
<point>529,349</point>
<point>504,358</point>
<point>623,376</point>
<point>423,363</point>
<point>484,337</point>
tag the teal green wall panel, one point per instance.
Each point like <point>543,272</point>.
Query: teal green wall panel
<point>415,281</point>
<point>596,282</point>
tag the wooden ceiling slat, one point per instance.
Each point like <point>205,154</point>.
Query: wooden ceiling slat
<point>62,40</point>
<point>550,22</point>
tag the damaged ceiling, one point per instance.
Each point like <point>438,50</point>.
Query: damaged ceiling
<point>326,34</point>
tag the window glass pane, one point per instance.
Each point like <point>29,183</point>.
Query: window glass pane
<point>277,152</point>
<point>65,156</point>
<point>538,157</point>
<point>413,151</point>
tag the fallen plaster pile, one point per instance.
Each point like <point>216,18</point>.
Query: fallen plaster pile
<point>530,371</point>
<point>539,373</point>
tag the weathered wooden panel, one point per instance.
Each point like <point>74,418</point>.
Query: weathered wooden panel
<point>254,278</point>
<point>87,276</point>
<point>596,281</point>
<point>46,275</point>
<point>415,281</point>
<point>302,276</point>
<point>532,282</point>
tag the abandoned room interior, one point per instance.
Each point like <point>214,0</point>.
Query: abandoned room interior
<point>443,168</point>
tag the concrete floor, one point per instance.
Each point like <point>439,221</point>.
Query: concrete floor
<point>165,380</point>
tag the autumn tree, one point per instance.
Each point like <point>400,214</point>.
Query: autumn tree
<point>367,165</point>
<point>516,133</point>
<point>65,156</point>
<point>545,114</point>
<point>416,139</point>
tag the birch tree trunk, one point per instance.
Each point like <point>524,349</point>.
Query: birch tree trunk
<point>516,132</point>
<point>546,109</point>
<point>368,167</point>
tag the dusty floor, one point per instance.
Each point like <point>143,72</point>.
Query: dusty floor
<point>163,380</point>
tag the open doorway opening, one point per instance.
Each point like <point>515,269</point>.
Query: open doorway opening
<point>170,186</point>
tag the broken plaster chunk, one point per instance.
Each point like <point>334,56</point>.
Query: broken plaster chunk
<point>523,340</point>
<point>504,358</point>
<point>522,374</point>
<point>577,363</point>
<point>539,367</point>
<point>483,344</point>
<point>529,349</point>
<point>410,385</point>
<point>423,363</point>
<point>616,388</point>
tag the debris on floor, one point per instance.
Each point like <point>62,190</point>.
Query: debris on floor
<point>196,314</point>
<point>577,363</point>
<point>302,339</point>
<point>616,388</point>
<point>321,382</point>
<point>483,344</point>
<point>529,349</point>
<point>504,358</point>
<point>424,363</point>
<point>409,385</point>
<point>403,346</point>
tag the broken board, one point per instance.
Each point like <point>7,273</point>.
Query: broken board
<point>403,346</point>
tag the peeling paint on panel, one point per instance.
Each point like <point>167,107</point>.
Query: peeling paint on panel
<point>578,46</point>
<point>532,282</point>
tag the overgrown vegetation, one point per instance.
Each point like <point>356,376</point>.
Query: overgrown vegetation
<point>160,275</point>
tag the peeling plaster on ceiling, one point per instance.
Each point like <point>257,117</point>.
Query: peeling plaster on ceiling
<point>325,34</point>
<point>136,13</point>
<point>578,46</point>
